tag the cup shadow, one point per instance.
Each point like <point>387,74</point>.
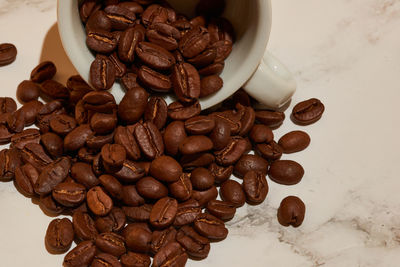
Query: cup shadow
<point>53,50</point>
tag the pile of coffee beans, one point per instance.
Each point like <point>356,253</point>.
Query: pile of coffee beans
<point>148,44</point>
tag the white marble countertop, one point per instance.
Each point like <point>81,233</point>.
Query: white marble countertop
<point>345,53</point>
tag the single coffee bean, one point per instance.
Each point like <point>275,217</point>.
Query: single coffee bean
<point>98,141</point>
<point>25,177</point>
<point>154,14</point>
<point>130,172</point>
<point>137,238</point>
<point>195,144</point>
<point>231,191</point>
<point>156,111</point>
<point>220,173</point>
<point>255,187</point>
<point>198,21</point>
<point>102,123</point>
<point>203,197</point>
<point>99,101</point>
<point>87,8</point>
<point>131,197</point>
<point>111,243</point>
<point>111,185</point>
<point>133,105</point>
<point>76,139</point>
<point>172,254</point>
<point>220,135</point>
<point>113,222</point>
<point>165,169</point>
<point>232,152</point>
<point>78,88</point>
<point>44,71</point>
<point>8,53</point>
<point>53,174</point>
<point>155,56</point>
<point>10,160</point>
<point>291,211</point>
<point>250,163</point>
<point>98,201</point>
<point>173,136</point>
<point>98,20</point>
<point>121,17</point>
<point>123,137</point>
<point>28,91</point>
<point>62,124</point>
<point>113,156</point>
<point>102,73</point>
<point>181,189</point>
<point>223,48</point>
<point>187,212</point>
<point>210,84</point>
<point>59,236</point>
<point>161,238</point>
<point>271,119</point>
<point>83,174</point>
<point>186,82</point>
<point>84,226</point>
<point>246,117</point>
<point>148,187</point>
<point>120,67</point>
<point>7,105</point>
<point>129,39</point>
<point>164,35</point>
<point>81,114</point>
<point>221,29</point>
<point>261,133</point>
<point>105,259</point>
<point>200,125</point>
<point>163,213</point>
<point>294,141</point>
<point>210,8</point>
<point>53,90</point>
<point>138,214</point>
<point>69,194</point>
<point>16,121</point>
<point>194,42</point>
<point>210,227</point>
<point>31,110</point>
<point>132,259</point>
<point>202,60</point>
<point>270,151</point>
<point>179,111</point>
<point>192,161</point>
<point>231,117</point>
<point>202,179</point>
<point>155,80</point>
<point>221,209</point>
<point>287,172</point>
<point>19,140</point>
<point>81,255</point>
<point>34,154</point>
<point>149,139</point>
<point>215,68</point>
<point>307,111</point>
<point>196,246</point>
<point>240,96</point>
<point>101,41</point>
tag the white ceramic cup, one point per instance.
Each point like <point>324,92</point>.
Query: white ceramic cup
<point>249,65</point>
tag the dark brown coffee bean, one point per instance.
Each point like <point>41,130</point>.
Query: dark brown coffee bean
<point>131,197</point>
<point>210,84</point>
<point>163,213</point>
<point>198,21</point>
<point>220,173</point>
<point>53,174</point>
<point>165,169</point>
<point>270,151</point>
<point>87,8</point>
<point>130,38</point>
<point>161,238</point>
<point>179,111</point>
<point>62,124</point>
<point>132,6</point>
<point>231,117</point>
<point>102,123</point>
<point>194,42</point>
<point>211,227</point>
<point>121,17</point>
<point>31,110</point>
<point>111,185</point>
<point>212,69</point>
<point>186,82</point>
<point>102,73</point>
<point>183,25</point>
<point>231,191</point>
<point>221,29</point>
<point>16,121</point>
<point>113,222</point>
<point>195,245</point>
<point>98,20</point>
<point>25,177</point>
<point>81,255</point>
<point>84,226</point>
<point>246,117</point>
<point>101,41</point>
<point>132,259</point>
<point>210,8</point>
<point>98,201</point>
<point>307,111</point>
<point>195,144</point>
<point>192,161</point>
<point>223,48</point>
<point>98,141</point>
<point>19,140</point>
<point>105,259</point>
<point>156,111</point>
<point>255,187</point>
<point>200,125</point>
<point>8,53</point>
<point>138,214</point>
<point>187,212</point>
<point>77,137</point>
<point>287,172</point>
<point>261,133</point>
<point>7,105</point>
<point>156,81</point>
<point>164,35</point>
<point>155,56</point>
<point>44,71</point>
<point>69,194</point>
<point>203,197</point>
<point>113,156</point>
<point>83,174</point>
<point>133,105</point>
<point>111,243</point>
<point>154,14</point>
<point>202,179</point>
<point>148,187</point>
<point>120,67</point>
<point>294,141</point>
<point>149,139</point>
<point>181,189</point>
<point>130,172</point>
<point>221,209</point>
<point>250,163</point>
<point>5,133</point>
<point>129,81</point>
<point>28,91</point>
<point>34,154</point>
<point>232,152</point>
<point>54,90</point>
<point>49,206</point>
<point>59,236</point>
<point>137,238</point>
<point>82,115</point>
<point>272,119</point>
<point>220,136</point>
<point>123,137</point>
<point>291,211</point>
<point>53,144</point>
<point>172,254</point>
<point>202,60</point>
<point>99,101</point>
<point>78,88</point>
<point>173,136</point>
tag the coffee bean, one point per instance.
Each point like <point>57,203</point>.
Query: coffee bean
<point>200,125</point>
<point>111,243</point>
<point>161,238</point>
<point>148,187</point>
<point>220,173</point>
<point>172,254</point>
<point>132,6</point>
<point>102,123</point>
<point>203,197</point>
<point>232,152</point>
<point>271,119</point>
<point>221,29</point>
<point>291,211</point>
<point>126,139</point>
<point>163,213</point>
<point>27,136</point>
<point>62,124</point>
<point>215,68</point>
<point>223,210</point>
<point>195,144</point>
<point>28,91</point>
<point>98,20</point>
<point>231,117</point>
<point>86,155</point>
<point>81,255</point>
<point>154,14</point>
<point>113,222</point>
<point>149,139</point>
<point>202,179</point>
<point>77,137</point>
<point>165,169</point>
<point>181,189</point>
<point>198,21</point>
<point>87,8</point>
<point>187,212</point>
<point>129,39</point>
<point>84,226</point>
<point>164,35</point>
<point>287,172</point>
<point>8,53</point>
<point>113,156</point>
<point>261,133</point>
<point>155,56</point>
<point>133,105</point>
<point>78,88</point>
<point>250,162</point>
<point>34,154</point>
<point>31,110</point>
<point>186,82</point>
<point>53,174</point>
<point>120,67</point>
<point>101,41</point>
<point>102,73</point>
<point>7,105</point>
<point>25,177</point>
<point>51,89</point>
<point>130,172</point>
<point>194,42</point>
<point>191,161</point>
<point>44,71</point>
<point>156,111</point>
<point>132,259</point>
<point>104,259</point>
<point>195,245</point>
<point>270,151</point>
<point>202,60</point>
<point>210,227</point>
<point>210,84</point>
<point>98,201</point>
<point>220,135</point>
<point>137,238</point>
<point>154,80</point>
<point>231,191</point>
<point>307,111</point>
<point>131,197</point>
<point>121,17</point>
<point>16,121</point>
<point>179,111</point>
<point>111,185</point>
<point>99,101</point>
<point>173,136</point>
<point>138,214</point>
<point>255,187</point>
<point>59,236</point>
<point>83,174</point>
<point>294,141</point>
<point>69,194</point>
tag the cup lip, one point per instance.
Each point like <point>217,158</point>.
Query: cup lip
<point>78,53</point>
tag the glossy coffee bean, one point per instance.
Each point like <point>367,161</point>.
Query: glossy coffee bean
<point>231,117</point>
<point>138,214</point>
<point>98,201</point>
<point>8,53</point>
<point>44,71</point>
<point>133,105</point>
<point>111,243</point>
<point>137,238</point>
<point>220,173</point>
<point>59,236</point>
<point>25,178</point>
<point>186,82</point>
<point>102,73</point>
<point>19,140</point>
<point>223,210</point>
<point>53,144</point>
<point>156,111</point>
<point>192,161</point>
<point>113,156</point>
<point>103,123</point>
<point>101,41</point>
<point>164,35</point>
<point>232,191</point>
<point>132,6</point>
<point>130,172</point>
<point>194,42</point>
<point>182,188</point>
<point>54,90</point>
<point>187,212</point>
<point>195,144</point>
<point>195,245</point>
<point>220,135</point>
<point>270,151</point>
<point>250,163</point>
<point>78,88</point>
<point>111,185</point>
<point>81,255</point>
<point>132,259</point>
<point>165,169</point>
<point>174,135</point>
<point>200,125</point>
<point>28,91</point>
<point>287,172</point>
<point>172,254</point>
<point>155,56</point>
<point>34,154</point>
<point>255,187</point>
<point>161,238</point>
<point>307,111</point>
<point>69,194</point>
<point>123,137</point>
<point>210,227</point>
<point>202,179</point>
<point>203,197</point>
<point>210,85</point>
<point>261,133</point>
<point>113,222</point>
<point>98,20</point>
<point>154,80</point>
<point>154,14</point>
<point>105,259</point>
<point>148,187</point>
<point>129,39</point>
<point>149,139</point>
<point>84,226</point>
<point>232,152</point>
<point>7,105</point>
<point>131,197</point>
<point>76,139</point>
<point>223,48</point>
<point>121,17</point>
<point>215,68</point>
<point>120,67</point>
<point>269,118</point>
<point>99,101</point>
<point>53,174</point>
<point>16,121</point>
<point>179,111</point>
<point>202,60</point>
<point>163,213</point>
<point>62,124</point>
<point>83,174</point>
<point>291,211</point>
<point>294,141</point>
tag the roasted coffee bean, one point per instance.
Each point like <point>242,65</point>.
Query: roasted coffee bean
<point>271,119</point>
<point>210,84</point>
<point>129,39</point>
<point>195,245</point>
<point>105,259</point>
<point>202,60</point>
<point>132,6</point>
<point>81,114</point>
<point>31,110</point>
<point>181,189</point>
<point>294,141</point>
<point>203,197</point>
<point>8,53</point>
<point>98,141</point>
<point>83,174</point>
<point>129,81</point>
<point>211,227</point>
<point>194,42</point>
<point>307,111</point>
<point>99,101</point>
<point>111,243</point>
<point>149,139</point>
<point>59,236</point>
<point>156,111</point>
<point>221,29</point>
<point>195,144</point>
<point>137,238</point>
<point>131,197</point>
<point>120,67</point>
<point>148,187</point>
<point>123,137</point>
<point>250,163</point>
<point>101,41</point>
<point>25,177</point>
<point>173,136</point>
<point>231,117</point>
<point>261,133</point>
<point>16,121</point>
<point>34,154</point>
<point>220,173</point>
<point>102,73</point>
<point>69,194</point>
<point>19,140</point>
<point>246,117</point>
<point>179,111</point>
<point>154,14</point>
<point>189,162</point>
<point>198,21</point>
<point>183,25</point>
<point>155,80</point>
<point>113,222</point>
<point>111,185</point>
<point>161,238</point>
<point>165,169</point>
<point>51,175</point>
<point>77,137</point>
<point>46,113</point>
<point>54,90</point>
<point>163,213</point>
<point>186,82</point>
<point>78,88</point>
<point>28,91</point>
<point>220,135</point>
<point>155,56</point>
<point>215,68</point>
<point>84,226</point>
<point>132,259</point>
<point>291,211</point>
<point>87,8</point>
<point>201,179</point>
<point>49,206</point>
<point>270,151</point>
<point>231,191</point>
<point>130,172</point>
<point>98,201</point>
<point>86,155</point>
<point>113,156</point>
<point>223,48</point>
<point>81,255</point>
<point>255,187</point>
<point>221,209</point>
<point>7,105</point>
<point>102,123</point>
<point>210,8</point>
<point>133,105</point>
<point>200,125</point>
<point>164,35</point>
<point>138,214</point>
<point>187,212</point>
<point>44,71</point>
<point>62,124</point>
<point>172,254</point>
<point>121,17</point>
<point>98,21</point>
<point>287,172</point>
<point>232,152</point>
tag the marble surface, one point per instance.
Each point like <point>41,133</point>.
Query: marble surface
<point>344,52</point>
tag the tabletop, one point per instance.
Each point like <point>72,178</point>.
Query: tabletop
<point>346,53</point>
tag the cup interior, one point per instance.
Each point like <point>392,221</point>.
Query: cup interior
<point>251,21</point>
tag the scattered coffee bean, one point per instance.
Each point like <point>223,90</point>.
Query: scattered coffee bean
<point>294,141</point>
<point>286,172</point>
<point>291,211</point>
<point>8,53</point>
<point>307,112</point>
<point>59,236</point>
